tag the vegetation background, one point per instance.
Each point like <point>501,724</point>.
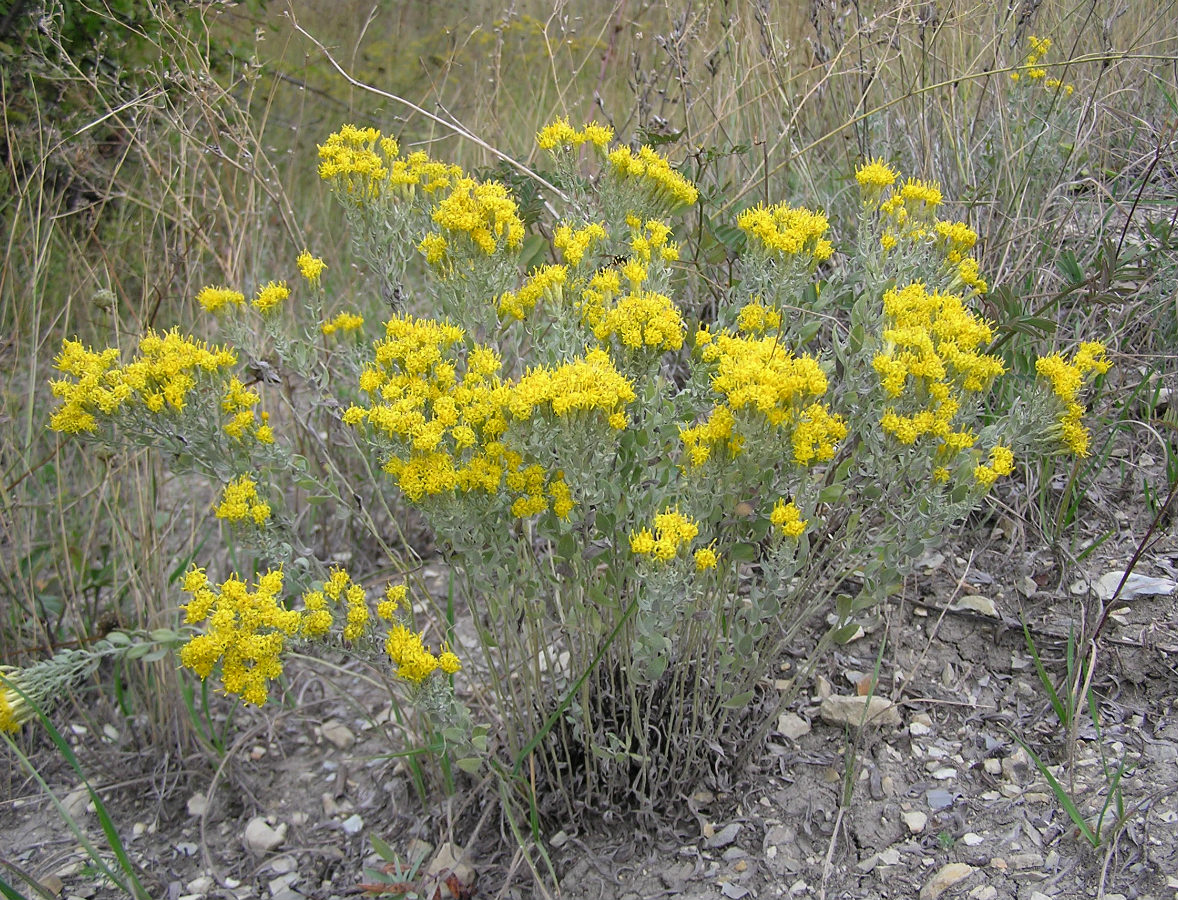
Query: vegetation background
<point>150,148</point>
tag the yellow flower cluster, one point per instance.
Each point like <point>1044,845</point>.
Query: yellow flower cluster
<point>481,212</point>
<point>14,711</point>
<point>931,358</point>
<point>214,299</point>
<point>270,295</point>
<point>310,267</point>
<point>640,320</point>
<point>240,501</point>
<point>343,322</point>
<point>163,374</point>
<point>874,177</point>
<point>1001,464</point>
<point>559,133</point>
<point>414,663</point>
<point>788,519</point>
<point>1039,48</point>
<point>786,233</point>
<point>364,166</point>
<point>574,243</point>
<point>759,375</point>
<point>545,282</point>
<point>649,241</point>
<point>1067,381</point>
<point>239,402</point>
<point>650,172</point>
<point>589,384</point>
<point>246,632</point>
<point>339,587</point>
<point>755,318</point>
<point>672,531</point>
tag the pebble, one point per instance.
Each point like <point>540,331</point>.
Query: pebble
<point>338,734</point>
<point>945,877</point>
<point>202,884</point>
<point>724,836</point>
<point>915,821</point>
<point>920,725</point>
<point>945,773</point>
<point>792,726</point>
<point>976,603</point>
<point>197,804</point>
<point>260,838</point>
<point>992,765</point>
<point>1025,860</point>
<point>984,892</point>
<point>839,709</point>
<point>971,839</point>
<point>352,824</point>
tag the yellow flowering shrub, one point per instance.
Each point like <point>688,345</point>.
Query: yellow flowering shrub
<point>641,498</point>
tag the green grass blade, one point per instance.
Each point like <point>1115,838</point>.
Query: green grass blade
<point>1044,678</point>
<point>1062,795</point>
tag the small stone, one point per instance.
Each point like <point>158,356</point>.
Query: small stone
<point>992,765</point>
<point>915,820</point>
<point>976,603</point>
<point>202,884</point>
<point>999,863</point>
<point>792,726</point>
<point>890,857</point>
<point>110,733</point>
<point>558,840</point>
<point>283,864</point>
<point>984,892</point>
<point>939,798</point>
<point>838,709</point>
<point>338,734</point>
<point>1010,791</point>
<point>197,804</point>
<point>920,725</point>
<point>945,773</point>
<point>1039,895</point>
<point>1014,767</point>
<point>138,829</point>
<point>971,839</point>
<point>1025,860</point>
<point>352,824</point>
<point>724,836</point>
<point>260,838</point>
<point>77,802</point>
<point>1027,586</point>
<point>945,877</point>
<point>280,887</point>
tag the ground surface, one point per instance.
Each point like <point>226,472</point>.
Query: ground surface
<point>942,797</point>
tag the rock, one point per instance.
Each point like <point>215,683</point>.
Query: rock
<point>945,877</point>
<point>992,765</point>
<point>352,824</point>
<point>197,804</point>
<point>939,798</point>
<point>971,839</point>
<point>1135,586</point>
<point>202,884</point>
<point>260,838</point>
<point>77,802</point>
<point>915,820</point>
<point>1025,860</point>
<point>976,603</point>
<point>921,725</point>
<point>450,859</point>
<point>838,709</point>
<point>337,733</point>
<point>724,836</point>
<point>792,726</point>
<point>984,892</point>
<point>945,773</point>
<point>1015,766</point>
<point>1027,586</point>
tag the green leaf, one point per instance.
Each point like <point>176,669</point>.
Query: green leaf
<point>383,850</point>
<point>743,552</point>
<point>844,634</point>
<point>470,765</point>
<point>739,701</point>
